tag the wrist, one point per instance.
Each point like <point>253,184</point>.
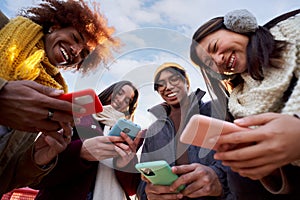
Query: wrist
<point>43,166</point>
<point>48,165</point>
<point>85,153</point>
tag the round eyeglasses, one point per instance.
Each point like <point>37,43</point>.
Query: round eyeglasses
<point>173,80</point>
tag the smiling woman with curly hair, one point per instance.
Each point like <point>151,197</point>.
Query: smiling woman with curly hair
<point>91,23</point>
<point>65,34</point>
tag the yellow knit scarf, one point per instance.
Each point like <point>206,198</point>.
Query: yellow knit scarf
<point>23,55</point>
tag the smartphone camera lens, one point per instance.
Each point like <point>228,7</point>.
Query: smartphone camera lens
<point>147,172</point>
<point>126,130</point>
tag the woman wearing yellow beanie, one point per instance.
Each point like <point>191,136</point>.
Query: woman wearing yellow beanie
<point>162,141</point>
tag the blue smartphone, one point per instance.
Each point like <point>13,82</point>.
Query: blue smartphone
<point>125,126</point>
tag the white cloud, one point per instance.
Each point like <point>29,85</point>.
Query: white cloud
<point>185,15</point>
<point>128,15</point>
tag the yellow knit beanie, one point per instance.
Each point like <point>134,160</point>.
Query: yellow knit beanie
<point>167,65</point>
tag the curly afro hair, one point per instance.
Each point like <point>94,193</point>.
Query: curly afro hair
<point>90,22</point>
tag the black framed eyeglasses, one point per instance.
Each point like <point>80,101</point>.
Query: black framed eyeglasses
<point>173,80</point>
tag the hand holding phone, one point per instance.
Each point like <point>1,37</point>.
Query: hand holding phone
<point>125,126</point>
<point>201,128</point>
<point>158,172</point>
<point>86,98</point>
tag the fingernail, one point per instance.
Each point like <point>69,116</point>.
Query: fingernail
<point>59,92</point>
<point>216,156</point>
<point>212,140</point>
<point>239,121</point>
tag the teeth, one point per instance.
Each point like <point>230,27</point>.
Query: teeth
<point>231,61</point>
<point>64,52</point>
<point>171,95</point>
<point>232,58</point>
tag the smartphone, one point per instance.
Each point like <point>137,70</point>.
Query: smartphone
<point>158,172</point>
<point>201,128</point>
<point>86,98</point>
<point>125,126</point>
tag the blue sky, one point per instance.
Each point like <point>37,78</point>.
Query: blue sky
<point>156,31</point>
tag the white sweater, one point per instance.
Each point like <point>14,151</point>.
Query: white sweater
<point>254,97</point>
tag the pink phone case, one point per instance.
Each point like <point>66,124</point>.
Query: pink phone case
<point>86,98</point>
<point>201,128</point>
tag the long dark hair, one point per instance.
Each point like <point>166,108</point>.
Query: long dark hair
<point>262,51</point>
<point>110,92</point>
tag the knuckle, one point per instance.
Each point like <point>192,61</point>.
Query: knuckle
<point>184,178</point>
<point>238,138</point>
<point>207,189</point>
<point>206,180</point>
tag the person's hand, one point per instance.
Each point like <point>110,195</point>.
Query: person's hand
<point>49,145</point>
<point>199,180</point>
<point>100,148</point>
<point>25,106</point>
<point>274,144</point>
<point>127,151</point>
<point>158,192</point>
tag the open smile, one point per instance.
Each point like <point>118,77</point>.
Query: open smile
<point>65,55</point>
<point>171,95</point>
<point>231,63</point>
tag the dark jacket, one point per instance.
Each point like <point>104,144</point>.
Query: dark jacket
<point>17,165</point>
<point>160,144</point>
<point>246,189</point>
<point>73,177</point>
